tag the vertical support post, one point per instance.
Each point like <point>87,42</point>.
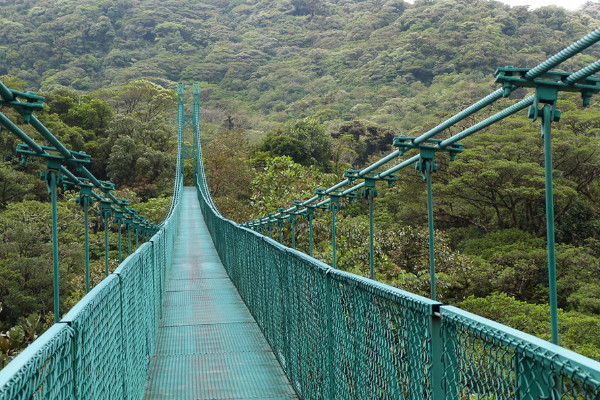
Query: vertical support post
<point>310,234</point>
<point>137,239</point>
<point>431,231</point>
<point>546,130</point>
<point>105,245</point>
<point>196,116</point>
<point>105,213</point>
<point>280,226</point>
<point>371,246</point>
<point>333,207</point>
<point>87,244</point>
<point>120,248</point>
<point>437,361</point>
<point>329,327</point>
<point>293,232</point>
<point>426,166</point>
<point>85,200</point>
<point>53,181</point>
<point>129,239</point>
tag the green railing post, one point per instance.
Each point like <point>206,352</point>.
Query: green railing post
<point>547,118</point>
<point>52,177</point>
<point>293,221</point>
<point>281,223</point>
<point>431,231</point>
<point>371,233</point>
<point>437,354</point>
<point>426,165</point>
<point>120,248</point>
<point>270,224</point>
<point>329,332</point>
<point>548,95</point>
<point>335,201</point>
<point>87,246</point>
<point>369,192</point>
<point>85,200</point>
<point>129,238</point>
<point>311,216</point>
<point>105,213</point>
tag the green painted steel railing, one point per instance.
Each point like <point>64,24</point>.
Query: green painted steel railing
<point>342,336</point>
<point>101,349</point>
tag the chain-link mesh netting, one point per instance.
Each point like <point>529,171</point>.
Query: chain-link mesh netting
<point>43,370</point>
<point>98,342</point>
<point>485,360</point>
<point>382,338</point>
<point>139,335</point>
<point>337,335</point>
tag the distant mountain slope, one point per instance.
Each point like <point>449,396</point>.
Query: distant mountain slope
<point>286,59</point>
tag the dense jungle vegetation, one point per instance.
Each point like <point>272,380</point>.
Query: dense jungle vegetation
<point>293,93</point>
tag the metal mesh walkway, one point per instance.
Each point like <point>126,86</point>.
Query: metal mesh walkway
<point>208,346</point>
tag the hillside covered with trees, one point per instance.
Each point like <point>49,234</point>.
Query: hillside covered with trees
<point>293,93</point>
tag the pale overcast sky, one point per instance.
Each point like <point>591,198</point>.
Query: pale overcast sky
<point>568,4</point>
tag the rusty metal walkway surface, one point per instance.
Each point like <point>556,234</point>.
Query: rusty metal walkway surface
<point>208,345</point>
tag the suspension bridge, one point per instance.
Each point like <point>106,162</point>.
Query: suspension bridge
<point>209,309</point>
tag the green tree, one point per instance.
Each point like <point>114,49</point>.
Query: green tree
<point>281,182</point>
<point>304,140</point>
<point>580,333</point>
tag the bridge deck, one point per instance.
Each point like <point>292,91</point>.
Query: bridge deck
<point>209,346</point>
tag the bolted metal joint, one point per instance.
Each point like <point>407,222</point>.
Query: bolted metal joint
<point>426,166</point>
<point>105,209</point>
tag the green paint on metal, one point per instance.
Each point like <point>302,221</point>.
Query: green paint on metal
<point>333,207</point>
<point>105,213</point>
<point>369,192</point>
<point>426,165</point>
<point>52,177</point>
<point>546,131</point>
<point>548,84</point>
<point>85,200</point>
<point>431,233</point>
<point>370,196</point>
<point>293,220</point>
<point>311,216</point>
<point>86,246</point>
<point>120,249</point>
